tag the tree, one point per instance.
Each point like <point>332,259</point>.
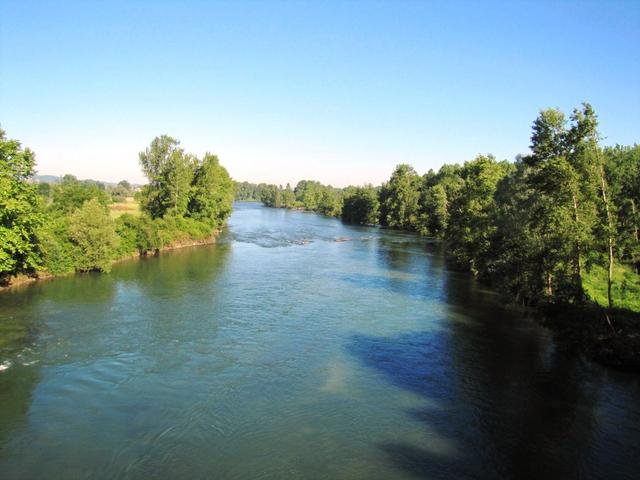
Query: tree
<point>330,203</point>
<point>72,193</point>
<point>622,170</point>
<point>361,206</point>
<point>93,233</point>
<point>471,225</point>
<point>212,191</point>
<point>246,191</point>
<point>169,172</point>
<point>121,191</point>
<point>437,194</point>
<point>270,196</point>
<point>530,256</point>
<point>20,209</point>
<point>565,177</point>
<point>309,194</point>
<point>399,199</point>
<point>288,197</point>
<point>44,190</point>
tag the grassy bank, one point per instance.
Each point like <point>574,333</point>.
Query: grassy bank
<point>625,287</point>
<point>129,205</point>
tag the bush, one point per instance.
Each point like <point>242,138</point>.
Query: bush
<point>92,231</point>
<point>58,253</point>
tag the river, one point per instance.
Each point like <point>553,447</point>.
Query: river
<point>298,347</point>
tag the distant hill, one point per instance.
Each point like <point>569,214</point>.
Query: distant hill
<point>46,179</point>
<point>57,179</point>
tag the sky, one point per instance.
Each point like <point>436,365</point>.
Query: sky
<point>339,92</point>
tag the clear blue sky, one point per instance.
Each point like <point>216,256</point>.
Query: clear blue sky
<point>336,91</point>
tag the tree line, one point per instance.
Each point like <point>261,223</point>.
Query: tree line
<point>68,226</point>
<point>553,226</point>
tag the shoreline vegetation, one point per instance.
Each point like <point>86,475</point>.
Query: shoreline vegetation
<point>50,230</point>
<point>557,230</point>
<point>23,279</point>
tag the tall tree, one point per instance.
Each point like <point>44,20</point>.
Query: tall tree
<point>437,193</point>
<point>20,209</point>
<point>361,206</point>
<point>212,191</point>
<point>71,193</point>
<point>622,167</point>
<point>471,225</point>
<point>399,199</point>
<point>169,171</point>
<point>563,177</point>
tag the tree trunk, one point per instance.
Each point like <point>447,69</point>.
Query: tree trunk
<point>635,225</point>
<point>603,187</point>
<point>635,229</point>
<point>577,260</point>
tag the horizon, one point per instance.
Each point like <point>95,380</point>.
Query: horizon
<point>339,93</point>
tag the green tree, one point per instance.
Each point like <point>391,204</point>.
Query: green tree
<point>471,225</point>
<point>270,196</point>
<point>565,179</point>
<point>71,193</point>
<point>212,192</point>
<point>93,233</point>
<point>121,191</point>
<point>125,185</point>
<point>399,199</point>
<point>330,202</point>
<point>58,252</point>
<point>361,206</point>
<point>437,194</point>
<point>246,191</point>
<point>170,172</point>
<point>622,169</point>
<point>288,197</point>
<point>20,209</point>
<point>44,190</point>
<point>309,194</point>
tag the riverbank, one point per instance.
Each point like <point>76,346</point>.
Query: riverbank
<point>609,337</point>
<point>22,279</point>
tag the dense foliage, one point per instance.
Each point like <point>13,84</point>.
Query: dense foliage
<point>541,229</point>
<point>561,224</point>
<point>20,209</point>
<point>249,192</point>
<point>308,195</point>
<point>69,225</point>
<point>361,205</point>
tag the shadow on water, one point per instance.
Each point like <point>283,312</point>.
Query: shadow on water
<point>403,252</point>
<point>495,387</point>
<point>408,266</point>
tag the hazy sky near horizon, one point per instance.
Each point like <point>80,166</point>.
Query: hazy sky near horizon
<point>339,92</point>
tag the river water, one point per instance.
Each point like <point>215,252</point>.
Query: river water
<point>298,347</point>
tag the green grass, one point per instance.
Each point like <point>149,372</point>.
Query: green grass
<point>625,288</point>
<point>128,206</point>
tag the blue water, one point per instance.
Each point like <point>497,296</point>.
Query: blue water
<point>298,347</point>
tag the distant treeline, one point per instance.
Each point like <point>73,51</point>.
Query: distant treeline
<point>68,226</point>
<point>543,228</point>
<point>308,195</point>
<point>249,192</point>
